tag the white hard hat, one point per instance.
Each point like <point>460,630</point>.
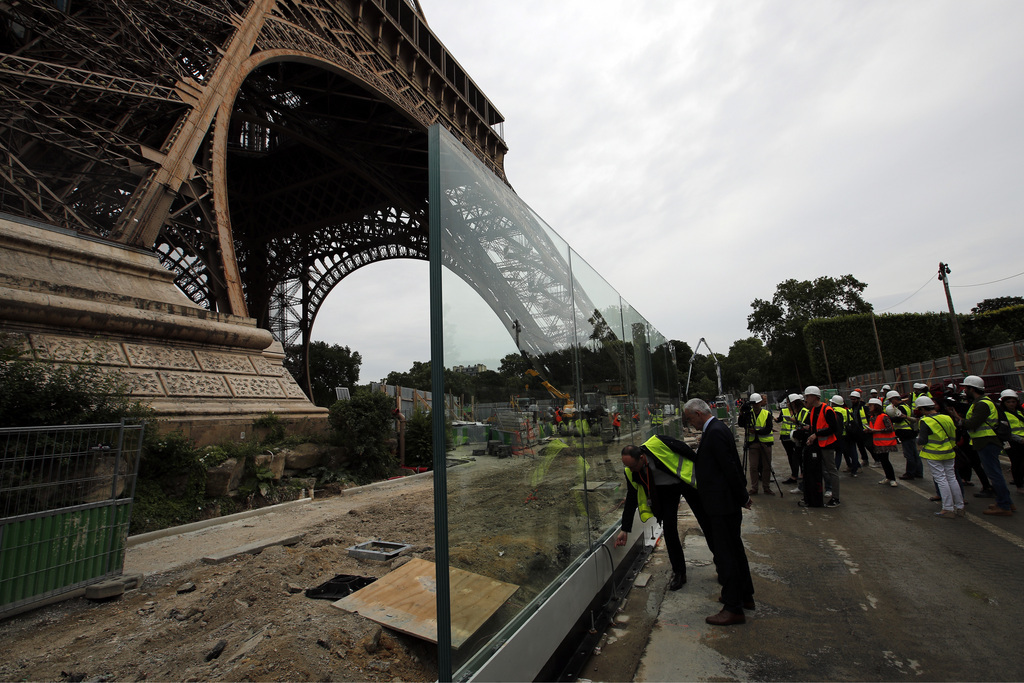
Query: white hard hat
<point>892,411</point>
<point>874,401</point>
<point>838,400</point>
<point>918,385</point>
<point>812,391</point>
<point>886,387</point>
<point>874,391</point>
<point>794,397</point>
<point>892,394</point>
<point>924,402</point>
<point>854,394</point>
<point>1008,393</point>
<point>755,398</point>
<point>974,381</point>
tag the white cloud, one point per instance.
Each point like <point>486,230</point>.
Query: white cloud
<point>697,153</point>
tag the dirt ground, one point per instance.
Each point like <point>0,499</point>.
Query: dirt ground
<point>254,605</point>
<point>248,619</point>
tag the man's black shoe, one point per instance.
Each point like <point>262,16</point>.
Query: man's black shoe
<point>791,480</point>
<point>833,503</point>
<point>985,493</point>
<point>802,503</point>
<point>678,580</point>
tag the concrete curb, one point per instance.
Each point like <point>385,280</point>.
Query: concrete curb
<point>139,539</point>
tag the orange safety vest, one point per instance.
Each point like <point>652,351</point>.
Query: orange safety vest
<point>615,420</point>
<point>882,438</point>
<point>822,423</point>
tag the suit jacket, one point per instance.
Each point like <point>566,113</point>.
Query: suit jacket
<point>719,474</point>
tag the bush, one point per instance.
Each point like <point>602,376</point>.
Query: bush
<point>419,445</point>
<point>364,425</point>
<point>36,393</point>
<point>171,486</point>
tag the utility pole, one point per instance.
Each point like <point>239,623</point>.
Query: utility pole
<point>827,370</point>
<point>878,345</point>
<point>943,272</point>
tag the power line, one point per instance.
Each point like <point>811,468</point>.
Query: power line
<point>980,284</point>
<point>909,297</point>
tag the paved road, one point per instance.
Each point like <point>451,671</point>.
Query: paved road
<point>878,589</point>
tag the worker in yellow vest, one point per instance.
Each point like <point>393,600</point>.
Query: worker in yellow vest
<point>658,473</point>
<point>1014,448</point>
<point>787,420</point>
<point>759,441</point>
<point>980,423</point>
<point>937,438</point>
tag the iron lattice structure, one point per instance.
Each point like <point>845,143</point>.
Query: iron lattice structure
<point>264,149</point>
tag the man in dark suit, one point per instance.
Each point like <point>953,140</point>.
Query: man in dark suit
<point>723,491</point>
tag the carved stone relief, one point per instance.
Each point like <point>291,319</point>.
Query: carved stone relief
<point>149,356</point>
<point>194,384</point>
<point>211,361</point>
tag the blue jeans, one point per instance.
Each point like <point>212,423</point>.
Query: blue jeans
<point>990,463</point>
<point>914,465</point>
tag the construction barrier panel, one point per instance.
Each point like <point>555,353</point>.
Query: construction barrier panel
<point>65,496</point>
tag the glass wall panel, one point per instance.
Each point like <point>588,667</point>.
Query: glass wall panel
<point>601,372</point>
<point>555,374</point>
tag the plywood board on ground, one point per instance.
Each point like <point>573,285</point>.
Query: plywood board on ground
<point>406,601</point>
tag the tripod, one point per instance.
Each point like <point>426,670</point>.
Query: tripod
<point>746,448</point>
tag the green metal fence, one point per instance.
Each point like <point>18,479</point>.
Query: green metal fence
<point>65,500</point>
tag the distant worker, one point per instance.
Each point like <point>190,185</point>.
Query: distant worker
<point>787,418</point>
<point>980,423</point>
<point>616,424</point>
<point>1015,446</point>
<point>658,474</point>
<point>937,438</point>
<point>883,439</point>
<point>759,445</point>
<point>858,421</point>
<point>845,449</point>
<point>905,424</point>
<point>920,389</point>
<point>822,428</point>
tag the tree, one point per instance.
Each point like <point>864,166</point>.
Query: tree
<point>330,367</point>
<point>997,303</point>
<point>779,323</point>
<point>746,364</point>
<point>364,425</point>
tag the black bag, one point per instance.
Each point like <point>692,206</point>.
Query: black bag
<point>814,489</point>
<point>1002,426</point>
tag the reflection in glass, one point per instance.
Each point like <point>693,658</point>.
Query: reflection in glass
<point>564,373</point>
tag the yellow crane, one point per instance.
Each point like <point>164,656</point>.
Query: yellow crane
<point>569,407</point>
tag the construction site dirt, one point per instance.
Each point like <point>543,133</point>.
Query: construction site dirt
<point>248,618</point>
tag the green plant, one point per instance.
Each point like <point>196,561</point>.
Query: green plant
<point>364,424</point>
<point>272,423</point>
<point>171,484</point>
<point>41,393</point>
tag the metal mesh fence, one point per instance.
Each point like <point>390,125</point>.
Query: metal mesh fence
<point>65,505</point>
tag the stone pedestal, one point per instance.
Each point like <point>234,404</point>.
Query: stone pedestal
<point>71,299</point>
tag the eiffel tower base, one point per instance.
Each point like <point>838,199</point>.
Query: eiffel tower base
<point>74,300</point>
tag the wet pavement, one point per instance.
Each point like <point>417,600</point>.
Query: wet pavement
<point>878,589</point>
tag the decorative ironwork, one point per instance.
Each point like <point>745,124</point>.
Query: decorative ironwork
<point>251,144</point>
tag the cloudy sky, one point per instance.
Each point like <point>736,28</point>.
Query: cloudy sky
<point>696,153</point>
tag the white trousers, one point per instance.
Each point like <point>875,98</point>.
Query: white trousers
<point>945,481</point>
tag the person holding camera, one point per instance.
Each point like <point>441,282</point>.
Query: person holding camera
<point>757,422</point>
